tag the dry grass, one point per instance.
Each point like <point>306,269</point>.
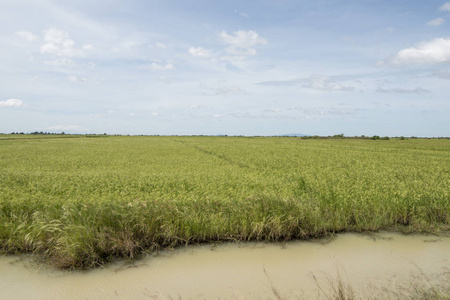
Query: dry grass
<point>419,287</point>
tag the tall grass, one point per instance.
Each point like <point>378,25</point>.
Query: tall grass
<point>80,202</point>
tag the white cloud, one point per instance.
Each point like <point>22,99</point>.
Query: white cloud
<point>445,7</point>
<point>161,67</point>
<point>57,42</point>
<point>326,112</point>
<point>342,112</point>
<point>417,90</point>
<point>241,43</point>
<point>11,103</point>
<point>301,113</point>
<point>216,116</point>
<point>242,14</point>
<point>61,62</point>
<point>273,110</point>
<point>73,78</point>
<point>435,51</point>
<point>324,83</point>
<point>315,81</point>
<point>27,36</point>
<point>230,90</point>
<point>311,112</point>
<point>436,22</point>
<point>240,51</point>
<point>198,106</point>
<point>242,39</point>
<point>199,52</point>
<point>220,91</point>
<point>282,83</point>
<point>87,47</point>
<point>160,45</point>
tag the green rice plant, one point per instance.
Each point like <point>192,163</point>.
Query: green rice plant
<point>81,201</point>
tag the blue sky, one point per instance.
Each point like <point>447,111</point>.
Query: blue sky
<point>369,67</point>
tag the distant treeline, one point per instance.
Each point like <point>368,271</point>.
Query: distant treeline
<point>336,136</point>
<point>36,132</point>
<point>363,137</point>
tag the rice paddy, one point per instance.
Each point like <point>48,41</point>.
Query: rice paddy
<point>81,201</point>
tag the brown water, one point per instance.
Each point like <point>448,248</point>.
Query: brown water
<point>238,271</point>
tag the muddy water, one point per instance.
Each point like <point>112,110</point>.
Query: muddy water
<point>232,271</point>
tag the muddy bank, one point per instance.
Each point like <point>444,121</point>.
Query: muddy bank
<point>300,269</point>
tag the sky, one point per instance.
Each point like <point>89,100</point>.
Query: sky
<point>262,67</point>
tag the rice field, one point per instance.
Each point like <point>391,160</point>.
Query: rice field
<point>80,201</point>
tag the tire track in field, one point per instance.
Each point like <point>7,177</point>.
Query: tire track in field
<point>215,154</point>
<point>302,188</point>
